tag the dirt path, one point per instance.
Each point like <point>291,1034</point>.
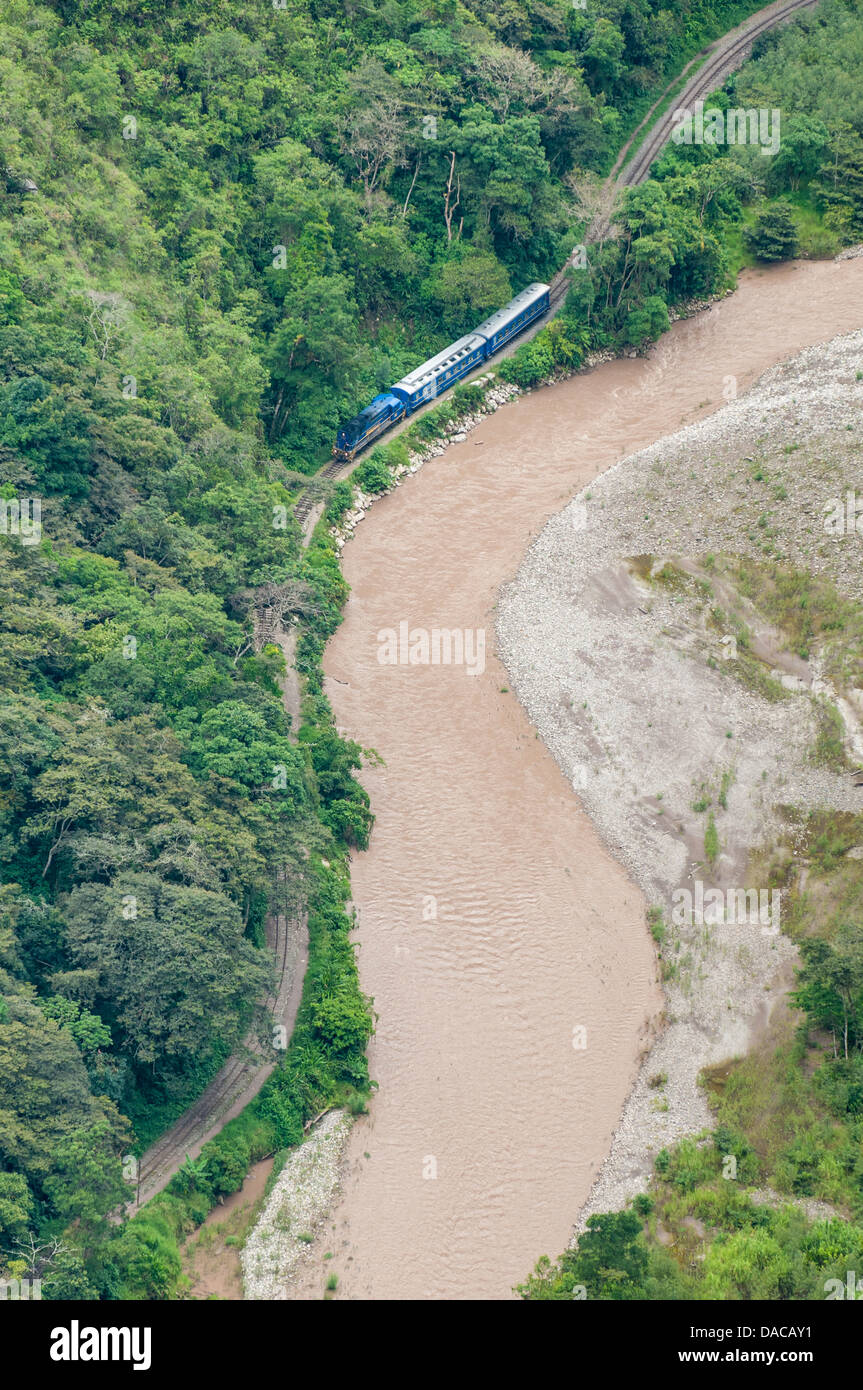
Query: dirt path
<point>211,1255</point>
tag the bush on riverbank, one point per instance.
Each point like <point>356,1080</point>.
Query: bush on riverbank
<point>375,474</point>
<point>433,424</point>
<point>325,1065</point>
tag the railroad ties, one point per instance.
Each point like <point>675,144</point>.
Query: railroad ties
<point>309,496</point>
<point>267,627</point>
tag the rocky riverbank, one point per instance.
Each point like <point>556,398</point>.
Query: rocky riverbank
<point>619,635</point>
<point>300,1199</point>
<point>497,393</point>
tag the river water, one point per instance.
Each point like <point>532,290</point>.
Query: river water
<point>506,950</point>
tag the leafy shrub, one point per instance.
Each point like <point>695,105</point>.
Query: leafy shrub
<point>373,475</point>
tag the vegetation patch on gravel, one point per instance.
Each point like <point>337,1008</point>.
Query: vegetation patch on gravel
<point>299,1201</point>
<point>686,636</point>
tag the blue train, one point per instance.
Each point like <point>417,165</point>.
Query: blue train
<point>440,372</point>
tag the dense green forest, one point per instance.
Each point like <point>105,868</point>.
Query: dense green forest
<point>265,229</point>
<point>222,228</point>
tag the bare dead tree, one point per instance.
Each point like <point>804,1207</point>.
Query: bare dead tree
<point>108,317</point>
<point>293,596</point>
<point>39,1258</point>
<point>270,606</point>
<point>558,94</point>
<point>592,204</point>
<point>449,206</point>
<point>373,138</point>
<point>411,189</point>
<point>507,75</point>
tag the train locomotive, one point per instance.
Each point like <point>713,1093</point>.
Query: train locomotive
<point>443,370</point>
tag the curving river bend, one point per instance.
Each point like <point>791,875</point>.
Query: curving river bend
<point>493,921</point>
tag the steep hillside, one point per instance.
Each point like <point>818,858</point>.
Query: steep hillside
<point>222,227</point>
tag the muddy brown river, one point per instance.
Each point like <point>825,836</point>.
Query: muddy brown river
<point>506,950</point>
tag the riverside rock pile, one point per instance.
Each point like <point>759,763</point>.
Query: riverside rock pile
<point>496,395</point>
<point>299,1201</point>
<point>623,675</point>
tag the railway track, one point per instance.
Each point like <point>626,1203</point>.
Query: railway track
<point>723,57</point>
<point>705,81</point>
<point>308,499</point>
<point>243,1074</point>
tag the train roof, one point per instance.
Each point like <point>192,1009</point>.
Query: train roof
<point>501,317</point>
<point>359,423</point>
<point>375,406</point>
<point>435,365</point>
